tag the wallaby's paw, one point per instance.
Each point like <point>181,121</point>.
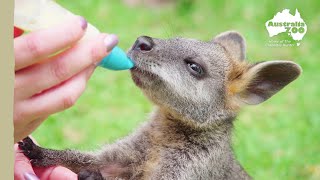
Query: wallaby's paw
<point>32,151</point>
<point>90,175</point>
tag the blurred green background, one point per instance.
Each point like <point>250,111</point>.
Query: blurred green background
<point>279,139</point>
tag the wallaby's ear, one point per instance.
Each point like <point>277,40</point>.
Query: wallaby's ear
<point>234,44</point>
<point>263,80</point>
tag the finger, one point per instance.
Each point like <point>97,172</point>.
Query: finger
<point>53,100</point>
<point>62,66</point>
<point>22,166</point>
<point>56,172</point>
<point>21,131</point>
<point>37,45</point>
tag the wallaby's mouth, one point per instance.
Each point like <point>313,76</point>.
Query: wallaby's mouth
<point>139,65</point>
<point>141,76</point>
<point>143,72</point>
<point>142,67</point>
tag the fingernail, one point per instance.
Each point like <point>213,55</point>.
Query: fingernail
<point>83,22</point>
<point>110,41</point>
<point>30,176</point>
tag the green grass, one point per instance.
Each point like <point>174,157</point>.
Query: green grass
<point>279,139</point>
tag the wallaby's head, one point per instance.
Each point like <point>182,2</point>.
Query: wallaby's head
<point>205,82</point>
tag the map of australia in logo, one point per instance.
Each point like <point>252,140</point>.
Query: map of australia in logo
<point>284,22</point>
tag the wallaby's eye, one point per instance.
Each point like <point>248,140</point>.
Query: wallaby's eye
<point>194,68</point>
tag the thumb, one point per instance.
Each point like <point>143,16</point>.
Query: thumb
<point>56,172</point>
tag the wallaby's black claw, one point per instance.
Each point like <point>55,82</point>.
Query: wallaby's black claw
<point>27,139</point>
<point>20,143</point>
<point>26,143</point>
<point>90,175</point>
<point>33,161</point>
<point>30,150</point>
<point>26,153</point>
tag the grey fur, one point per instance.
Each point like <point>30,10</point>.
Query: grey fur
<point>188,136</point>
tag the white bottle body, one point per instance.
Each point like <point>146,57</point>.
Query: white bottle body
<point>31,15</point>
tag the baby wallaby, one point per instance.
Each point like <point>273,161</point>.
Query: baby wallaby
<point>197,88</point>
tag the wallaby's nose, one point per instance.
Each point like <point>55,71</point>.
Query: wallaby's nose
<point>143,43</point>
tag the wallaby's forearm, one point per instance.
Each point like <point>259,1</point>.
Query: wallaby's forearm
<point>71,159</point>
<point>121,153</point>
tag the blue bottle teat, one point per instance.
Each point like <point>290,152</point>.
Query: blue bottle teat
<point>117,60</point>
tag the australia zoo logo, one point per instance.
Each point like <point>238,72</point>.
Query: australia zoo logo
<point>284,22</point>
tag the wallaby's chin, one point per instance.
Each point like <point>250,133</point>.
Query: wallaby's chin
<point>143,78</point>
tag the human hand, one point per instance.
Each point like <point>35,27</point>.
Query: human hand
<point>47,82</point>
<point>23,169</point>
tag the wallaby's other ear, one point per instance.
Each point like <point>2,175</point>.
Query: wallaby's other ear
<point>234,43</point>
<point>265,79</point>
